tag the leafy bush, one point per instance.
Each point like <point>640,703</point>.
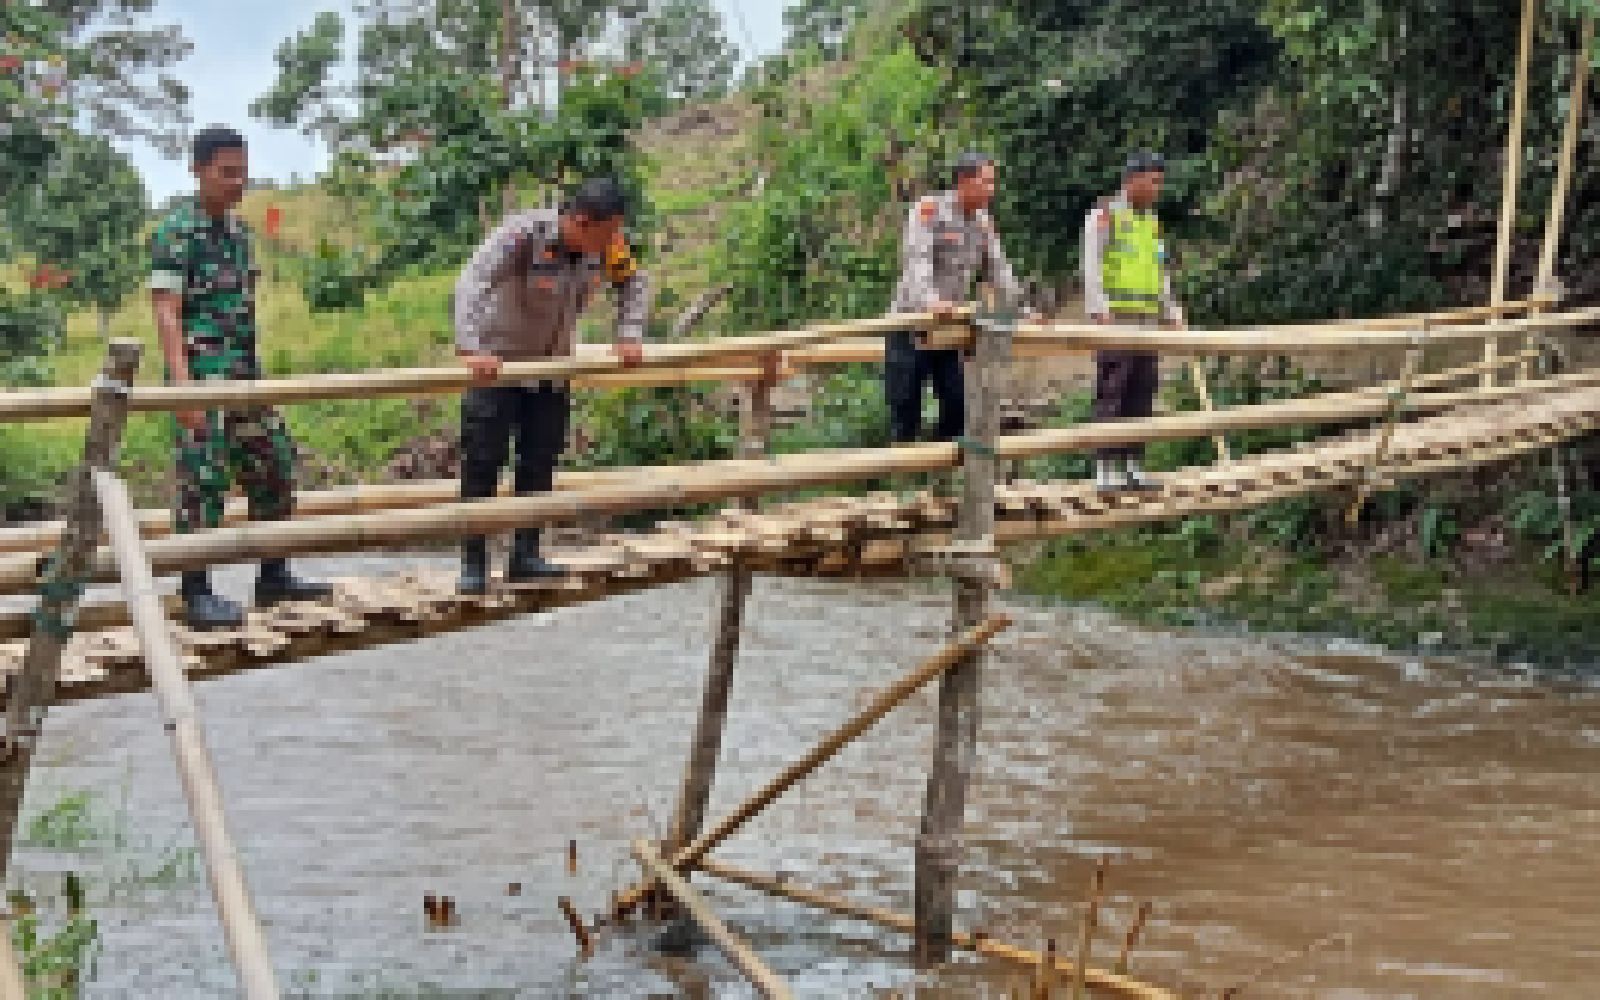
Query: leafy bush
<point>334,278</point>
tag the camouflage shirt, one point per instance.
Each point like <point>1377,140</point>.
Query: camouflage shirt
<point>208,261</point>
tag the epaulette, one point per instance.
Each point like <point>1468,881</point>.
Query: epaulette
<point>620,265</point>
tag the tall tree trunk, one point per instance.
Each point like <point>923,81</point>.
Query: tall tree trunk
<point>104,316</point>
<point>508,52</point>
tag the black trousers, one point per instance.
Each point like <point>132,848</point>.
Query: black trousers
<point>491,416</point>
<point>906,369</point>
<point>1125,385</point>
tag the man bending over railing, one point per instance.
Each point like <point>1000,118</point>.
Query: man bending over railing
<point>519,299</point>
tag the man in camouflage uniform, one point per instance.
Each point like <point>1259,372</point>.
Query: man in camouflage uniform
<point>519,299</point>
<point>949,240</point>
<point>203,283</point>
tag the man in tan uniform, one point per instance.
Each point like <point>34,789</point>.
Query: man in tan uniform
<point>950,240</point>
<point>519,299</point>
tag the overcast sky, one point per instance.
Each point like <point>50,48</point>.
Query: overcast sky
<point>232,64</point>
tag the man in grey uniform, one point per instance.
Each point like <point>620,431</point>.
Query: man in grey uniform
<point>949,240</point>
<point>519,299</point>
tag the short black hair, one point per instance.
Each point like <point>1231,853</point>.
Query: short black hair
<point>209,141</point>
<point>968,164</point>
<point>599,199</point>
<point>1144,161</point>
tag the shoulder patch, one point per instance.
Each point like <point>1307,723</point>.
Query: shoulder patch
<point>928,208</point>
<point>619,261</point>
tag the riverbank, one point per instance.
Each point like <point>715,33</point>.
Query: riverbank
<point>1515,610</point>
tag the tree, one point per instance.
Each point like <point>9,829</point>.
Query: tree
<point>683,42</point>
<point>821,24</point>
<point>74,73</point>
<point>303,93</point>
<point>83,221</point>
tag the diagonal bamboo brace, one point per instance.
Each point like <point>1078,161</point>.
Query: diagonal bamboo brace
<point>240,925</point>
<point>952,654</point>
<point>745,960</point>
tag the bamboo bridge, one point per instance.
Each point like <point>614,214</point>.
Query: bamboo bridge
<point>64,648</point>
<point>1422,423</point>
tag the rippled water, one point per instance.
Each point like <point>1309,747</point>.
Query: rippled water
<point>1445,817</point>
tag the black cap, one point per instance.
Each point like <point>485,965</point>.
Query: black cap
<point>1142,162</point>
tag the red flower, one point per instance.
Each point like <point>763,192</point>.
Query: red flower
<point>566,66</point>
<point>630,69</point>
<point>10,64</point>
<point>48,277</point>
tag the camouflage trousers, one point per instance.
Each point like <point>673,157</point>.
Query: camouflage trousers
<point>251,446</point>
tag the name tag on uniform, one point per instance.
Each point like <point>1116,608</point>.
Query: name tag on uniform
<point>950,237</point>
<point>545,284</point>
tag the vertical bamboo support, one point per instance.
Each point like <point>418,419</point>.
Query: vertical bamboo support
<point>1202,388</point>
<point>181,719</point>
<point>955,750</point>
<point>733,591</point>
<point>32,690</point>
<point>1547,285</point>
<point>1512,179</point>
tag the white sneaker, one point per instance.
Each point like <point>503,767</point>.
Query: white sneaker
<point>1109,475</point>
<point>1136,478</point>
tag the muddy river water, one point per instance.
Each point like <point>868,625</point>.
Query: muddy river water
<point>1445,818</point>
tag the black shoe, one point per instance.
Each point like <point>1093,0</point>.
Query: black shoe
<point>204,610</point>
<point>474,566</point>
<point>526,563</point>
<point>275,584</point>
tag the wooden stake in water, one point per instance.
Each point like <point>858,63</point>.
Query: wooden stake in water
<point>1132,939</point>
<point>1091,918</point>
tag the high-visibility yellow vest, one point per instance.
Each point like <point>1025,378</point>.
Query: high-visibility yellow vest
<point>1131,266</point>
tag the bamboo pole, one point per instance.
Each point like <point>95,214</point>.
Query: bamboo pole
<point>746,961</point>
<point>46,403</point>
<point>424,493</point>
<point>733,592</point>
<point>1381,448</point>
<point>1513,174</point>
<point>676,486</point>
<point>240,925</point>
<point>979,944</point>
<point>30,692</point>
<point>1569,154</point>
<point>955,749</point>
<point>682,361</point>
<point>1202,388</point>
<point>953,653</point>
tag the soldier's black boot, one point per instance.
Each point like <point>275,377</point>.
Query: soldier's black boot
<point>275,584</point>
<point>526,563</point>
<point>474,566</point>
<point>203,609</point>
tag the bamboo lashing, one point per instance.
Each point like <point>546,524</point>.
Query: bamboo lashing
<point>978,944</point>
<point>241,927</point>
<point>745,960</point>
<point>1512,175</point>
<point>880,706</point>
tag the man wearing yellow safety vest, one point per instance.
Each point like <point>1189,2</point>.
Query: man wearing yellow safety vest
<point>1126,283</point>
